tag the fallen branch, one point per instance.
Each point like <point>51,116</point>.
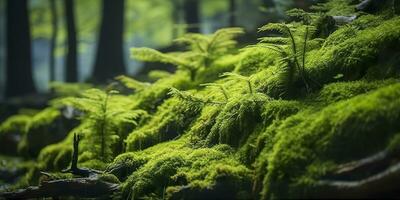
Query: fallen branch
<point>382,178</point>
<point>78,187</point>
<point>90,186</point>
<point>74,169</point>
<point>383,183</point>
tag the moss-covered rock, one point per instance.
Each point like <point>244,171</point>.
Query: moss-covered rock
<point>338,133</point>
<point>44,128</point>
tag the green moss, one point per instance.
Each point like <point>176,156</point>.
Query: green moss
<point>42,129</point>
<point>176,165</point>
<point>335,92</point>
<point>15,124</point>
<point>170,120</point>
<point>11,130</point>
<point>355,55</point>
<point>153,96</point>
<point>254,59</point>
<point>369,119</point>
<point>109,178</point>
<point>237,120</point>
<point>224,64</point>
<point>394,143</point>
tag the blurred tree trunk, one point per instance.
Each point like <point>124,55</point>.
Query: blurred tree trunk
<point>232,13</point>
<point>109,59</point>
<point>53,40</point>
<point>269,3</point>
<point>192,19</point>
<point>71,60</point>
<point>19,77</point>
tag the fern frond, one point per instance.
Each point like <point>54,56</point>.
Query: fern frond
<point>152,55</point>
<point>186,96</point>
<point>220,87</point>
<point>158,74</point>
<point>282,28</point>
<point>235,76</point>
<point>274,40</point>
<point>132,83</point>
<point>224,38</point>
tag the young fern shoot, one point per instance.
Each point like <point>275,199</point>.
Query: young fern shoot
<point>104,113</point>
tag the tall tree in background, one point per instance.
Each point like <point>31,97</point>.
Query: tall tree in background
<point>191,13</point>
<point>71,60</point>
<point>19,78</point>
<point>232,13</point>
<point>53,39</point>
<point>109,59</point>
<point>269,3</point>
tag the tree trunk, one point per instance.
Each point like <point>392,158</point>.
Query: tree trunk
<point>192,19</point>
<point>109,59</point>
<point>269,3</point>
<point>53,40</point>
<point>232,13</point>
<point>19,77</point>
<point>71,60</point>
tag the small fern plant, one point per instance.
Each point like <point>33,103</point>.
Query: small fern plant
<point>105,113</point>
<point>292,47</point>
<point>202,50</point>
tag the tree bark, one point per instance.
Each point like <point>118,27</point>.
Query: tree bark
<point>192,19</point>
<point>72,58</point>
<point>19,77</point>
<point>53,40</point>
<point>109,59</point>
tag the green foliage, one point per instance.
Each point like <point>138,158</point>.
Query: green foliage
<point>202,50</point>
<point>169,121</point>
<point>371,119</point>
<point>354,53</point>
<point>15,124</point>
<point>236,120</point>
<point>68,89</point>
<point>239,77</point>
<point>132,83</point>
<point>228,138</point>
<point>106,113</point>
<point>171,167</point>
<point>41,130</point>
<point>292,48</point>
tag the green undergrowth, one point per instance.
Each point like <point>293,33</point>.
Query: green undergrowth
<point>263,122</point>
<point>176,169</point>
